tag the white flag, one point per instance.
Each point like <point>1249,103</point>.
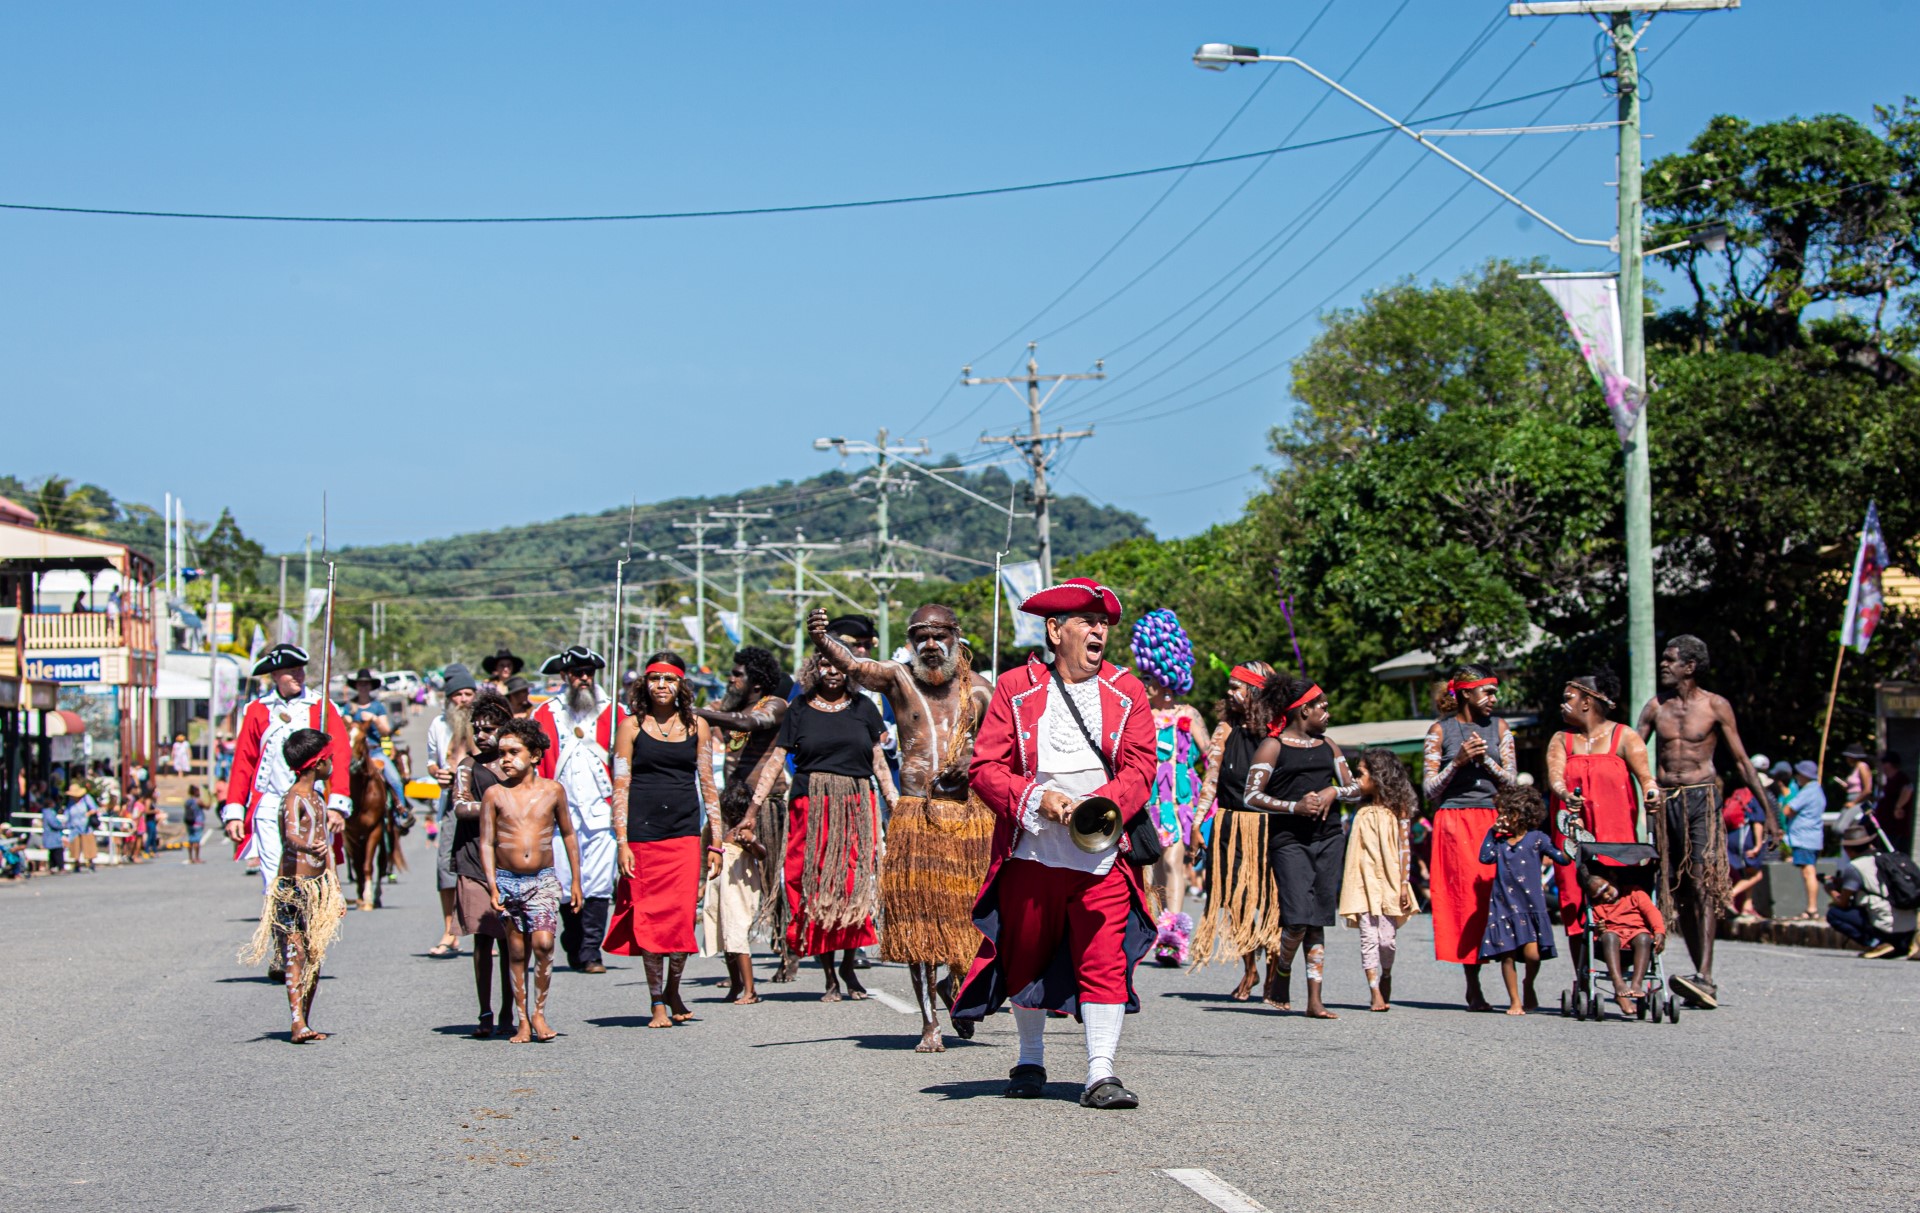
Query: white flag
<point>730,624</point>
<point>316,600</point>
<point>692,624</point>
<point>1592,309</point>
<point>1022,581</point>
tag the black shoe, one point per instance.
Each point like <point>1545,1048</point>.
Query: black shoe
<point>1108,1093</point>
<point>860,960</point>
<point>1026,1082</point>
<point>963,1028</point>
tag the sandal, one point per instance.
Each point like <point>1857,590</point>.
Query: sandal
<point>1108,1093</point>
<point>1026,1082</point>
<point>443,950</point>
<point>485,1029</point>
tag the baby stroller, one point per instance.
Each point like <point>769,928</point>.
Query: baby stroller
<point>1583,1000</point>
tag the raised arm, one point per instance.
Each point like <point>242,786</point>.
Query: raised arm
<point>882,676</point>
<point>766,714</point>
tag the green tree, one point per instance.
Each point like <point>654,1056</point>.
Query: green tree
<point>82,509</point>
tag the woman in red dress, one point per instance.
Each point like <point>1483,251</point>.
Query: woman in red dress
<point>1468,758</point>
<point>663,800</point>
<point>832,864</point>
<point>1592,767</point>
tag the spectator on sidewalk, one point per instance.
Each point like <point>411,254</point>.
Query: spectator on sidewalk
<point>181,756</point>
<point>155,815</point>
<point>1858,783</point>
<point>1860,908</point>
<point>194,817</point>
<point>83,818</point>
<point>1746,842</point>
<point>1806,831</point>
<point>53,835</point>
<point>1894,808</point>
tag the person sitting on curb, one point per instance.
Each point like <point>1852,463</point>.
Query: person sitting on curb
<point>1860,908</point>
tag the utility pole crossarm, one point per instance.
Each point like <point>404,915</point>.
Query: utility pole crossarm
<point>1035,442</point>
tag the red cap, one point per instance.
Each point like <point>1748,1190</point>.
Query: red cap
<point>1074,594</point>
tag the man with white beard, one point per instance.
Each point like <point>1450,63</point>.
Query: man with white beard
<point>580,725</point>
<point>449,739</point>
<point>939,839</point>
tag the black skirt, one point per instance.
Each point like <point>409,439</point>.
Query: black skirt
<point>1307,857</point>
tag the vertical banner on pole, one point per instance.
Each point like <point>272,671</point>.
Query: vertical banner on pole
<point>1864,596</point>
<point>1022,581</point>
<point>1592,309</point>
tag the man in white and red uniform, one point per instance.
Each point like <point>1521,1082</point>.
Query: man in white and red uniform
<point>251,816</point>
<point>580,724</point>
<point>1064,927</point>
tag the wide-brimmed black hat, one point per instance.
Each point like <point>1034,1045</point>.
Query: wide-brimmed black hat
<point>517,684</point>
<point>853,627</point>
<point>1855,751</point>
<point>514,664</point>
<point>576,657</point>
<point>365,675</point>
<point>280,657</point>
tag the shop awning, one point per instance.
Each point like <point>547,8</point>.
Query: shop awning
<point>62,723</point>
<point>75,551</point>
<point>174,684</point>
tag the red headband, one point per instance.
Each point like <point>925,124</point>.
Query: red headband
<point>311,763</point>
<point>1454,688</point>
<point>1249,676</point>
<point>663,667</point>
<point>1313,693</point>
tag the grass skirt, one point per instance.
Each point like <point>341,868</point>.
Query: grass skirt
<point>937,857</point>
<point>311,909</point>
<point>1243,899</point>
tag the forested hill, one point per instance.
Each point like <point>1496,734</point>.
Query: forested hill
<point>524,584</point>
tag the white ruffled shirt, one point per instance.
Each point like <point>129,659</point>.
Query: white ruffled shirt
<point>1066,763</point>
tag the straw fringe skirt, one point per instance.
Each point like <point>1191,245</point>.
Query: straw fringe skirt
<point>1243,899</point>
<point>312,908</point>
<point>937,856</point>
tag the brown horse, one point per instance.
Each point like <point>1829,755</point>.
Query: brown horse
<point>368,843</point>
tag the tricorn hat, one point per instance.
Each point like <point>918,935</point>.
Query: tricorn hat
<point>1074,594</point>
<point>280,657</point>
<point>514,664</point>
<point>577,657</point>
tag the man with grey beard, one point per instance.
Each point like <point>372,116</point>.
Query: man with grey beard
<point>939,839</point>
<point>449,739</point>
<point>580,724</point>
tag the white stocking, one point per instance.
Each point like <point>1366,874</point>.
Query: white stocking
<point>1032,1025</point>
<point>1102,1021</point>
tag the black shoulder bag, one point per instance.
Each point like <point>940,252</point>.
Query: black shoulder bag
<point>1140,842</point>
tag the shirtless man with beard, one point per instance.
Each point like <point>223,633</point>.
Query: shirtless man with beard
<point>1691,722</point>
<point>939,840</point>
<point>750,712</point>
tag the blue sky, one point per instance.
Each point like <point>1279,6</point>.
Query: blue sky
<point>439,379</point>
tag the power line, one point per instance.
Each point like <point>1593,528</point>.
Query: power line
<point>726,213</point>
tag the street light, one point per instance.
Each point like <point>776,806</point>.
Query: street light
<point>1218,56</point>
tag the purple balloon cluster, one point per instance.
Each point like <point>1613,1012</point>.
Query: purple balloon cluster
<point>1162,652</point>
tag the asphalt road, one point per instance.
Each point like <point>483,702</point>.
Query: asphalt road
<point>147,1070</point>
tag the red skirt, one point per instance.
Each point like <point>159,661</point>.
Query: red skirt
<point>805,935</point>
<point>1461,884</point>
<point>653,909</point>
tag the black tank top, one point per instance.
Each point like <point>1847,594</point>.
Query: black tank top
<point>1299,770</point>
<point>663,800</point>
<point>1236,758</point>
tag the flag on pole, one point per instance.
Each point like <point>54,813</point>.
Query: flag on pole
<point>257,647</point>
<point>730,624</point>
<point>692,624</point>
<point>1592,309</point>
<point>316,599</point>
<point>1863,592</point>
<point>1022,581</point>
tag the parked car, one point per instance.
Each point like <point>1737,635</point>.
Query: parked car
<point>401,682</point>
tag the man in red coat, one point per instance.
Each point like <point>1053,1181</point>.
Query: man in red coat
<point>261,775</point>
<point>1064,927</point>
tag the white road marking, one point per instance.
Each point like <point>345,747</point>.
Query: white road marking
<point>1216,1191</point>
<point>905,1008</point>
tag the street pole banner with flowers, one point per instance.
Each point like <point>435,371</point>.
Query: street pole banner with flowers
<point>1864,597</point>
<point>1592,309</point>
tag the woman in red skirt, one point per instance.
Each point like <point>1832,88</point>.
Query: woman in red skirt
<point>663,799</point>
<point>1469,757</point>
<point>832,864</point>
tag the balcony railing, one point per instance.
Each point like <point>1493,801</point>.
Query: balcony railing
<point>90,631</point>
